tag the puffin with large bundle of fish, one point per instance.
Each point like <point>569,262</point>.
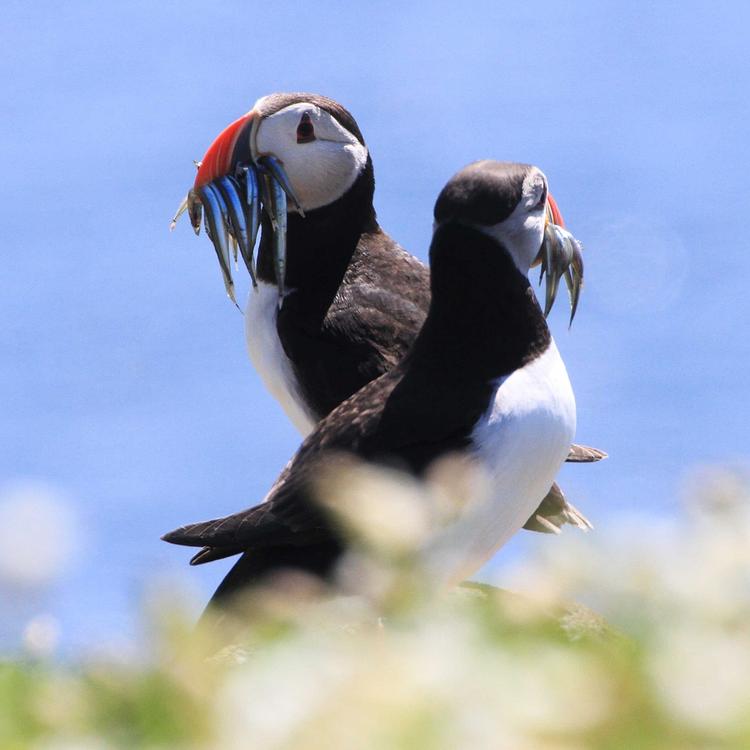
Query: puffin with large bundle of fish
<point>336,301</point>
<point>483,381</point>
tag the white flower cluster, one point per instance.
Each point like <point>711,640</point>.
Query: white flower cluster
<point>663,664</point>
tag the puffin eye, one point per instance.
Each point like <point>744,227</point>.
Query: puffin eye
<point>305,130</point>
<point>542,200</point>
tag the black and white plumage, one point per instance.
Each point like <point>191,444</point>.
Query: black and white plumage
<point>356,299</point>
<point>483,379</point>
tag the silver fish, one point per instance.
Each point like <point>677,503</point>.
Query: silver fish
<point>217,232</point>
<point>231,191</point>
<point>549,267</point>
<point>195,210</point>
<point>251,208</point>
<point>180,210</point>
<point>275,167</point>
<point>279,201</point>
<point>560,257</point>
<point>275,205</point>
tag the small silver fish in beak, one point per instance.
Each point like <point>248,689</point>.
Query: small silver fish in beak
<point>180,210</point>
<point>251,206</point>
<point>232,195</point>
<point>560,257</point>
<point>217,232</point>
<point>230,190</point>
<point>231,206</point>
<point>274,199</point>
<point>274,166</point>
<point>185,204</point>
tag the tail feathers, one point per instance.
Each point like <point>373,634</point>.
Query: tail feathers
<point>209,554</point>
<point>554,512</point>
<point>191,535</point>
<point>218,532</point>
<point>229,535</point>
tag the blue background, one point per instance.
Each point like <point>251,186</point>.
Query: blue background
<point>123,375</point>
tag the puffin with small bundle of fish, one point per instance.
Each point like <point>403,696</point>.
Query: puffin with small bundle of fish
<point>483,381</point>
<point>336,302</point>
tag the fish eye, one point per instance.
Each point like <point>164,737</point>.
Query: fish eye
<point>305,129</point>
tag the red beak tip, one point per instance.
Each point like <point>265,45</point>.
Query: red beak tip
<point>556,215</point>
<point>217,160</point>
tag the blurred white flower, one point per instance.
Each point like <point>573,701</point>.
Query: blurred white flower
<point>384,509</point>
<point>414,667</point>
<point>41,636</point>
<point>284,688</point>
<point>38,534</point>
<point>701,674</point>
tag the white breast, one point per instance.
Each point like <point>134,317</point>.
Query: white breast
<point>269,358</point>
<point>520,444</point>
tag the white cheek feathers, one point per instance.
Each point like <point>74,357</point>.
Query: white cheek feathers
<point>533,188</point>
<point>522,232</point>
<point>321,170</point>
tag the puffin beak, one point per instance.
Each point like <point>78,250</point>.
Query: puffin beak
<point>228,192</point>
<point>561,257</point>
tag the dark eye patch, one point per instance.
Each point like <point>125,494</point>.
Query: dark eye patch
<point>484,193</point>
<point>305,129</point>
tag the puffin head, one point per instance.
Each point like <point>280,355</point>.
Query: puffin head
<point>315,140</point>
<point>504,200</point>
<point>292,154</point>
<point>511,203</point>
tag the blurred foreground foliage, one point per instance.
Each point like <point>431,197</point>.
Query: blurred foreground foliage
<point>404,667</point>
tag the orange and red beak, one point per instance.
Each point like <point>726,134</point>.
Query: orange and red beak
<point>554,211</point>
<point>229,190</point>
<point>226,150</point>
<point>231,202</point>
<point>231,150</point>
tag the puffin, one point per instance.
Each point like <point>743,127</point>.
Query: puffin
<point>483,380</point>
<point>353,299</point>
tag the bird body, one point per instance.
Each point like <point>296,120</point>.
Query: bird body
<point>520,443</point>
<point>371,355</point>
<point>354,299</point>
<point>312,357</point>
<point>483,380</point>
<point>266,352</point>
